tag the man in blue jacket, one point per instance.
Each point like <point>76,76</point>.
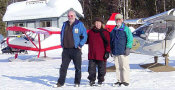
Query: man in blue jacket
<point>121,43</point>
<point>73,37</point>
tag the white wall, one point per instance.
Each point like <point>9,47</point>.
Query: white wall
<point>61,20</point>
<point>54,22</point>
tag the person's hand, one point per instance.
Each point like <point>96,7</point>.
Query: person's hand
<point>127,51</point>
<point>106,56</point>
<point>79,47</point>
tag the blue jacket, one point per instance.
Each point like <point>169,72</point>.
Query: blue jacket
<point>120,40</point>
<point>78,30</point>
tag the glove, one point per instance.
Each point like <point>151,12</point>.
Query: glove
<point>106,56</point>
<point>111,54</point>
<point>127,51</point>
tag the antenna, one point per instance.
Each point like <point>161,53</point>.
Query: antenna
<point>36,1</point>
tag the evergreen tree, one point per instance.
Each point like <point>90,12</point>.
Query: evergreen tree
<point>3,5</point>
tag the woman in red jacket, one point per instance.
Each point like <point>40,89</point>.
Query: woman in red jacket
<point>99,48</point>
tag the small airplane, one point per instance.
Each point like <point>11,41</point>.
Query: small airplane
<point>35,39</point>
<point>156,36</point>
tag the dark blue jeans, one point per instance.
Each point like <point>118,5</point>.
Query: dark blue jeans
<point>68,55</point>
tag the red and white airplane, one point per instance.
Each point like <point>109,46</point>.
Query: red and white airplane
<point>40,39</point>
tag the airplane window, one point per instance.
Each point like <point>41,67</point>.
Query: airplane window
<point>29,35</point>
<point>142,32</point>
<point>169,33</point>
<point>139,31</point>
<point>161,31</point>
<point>158,32</point>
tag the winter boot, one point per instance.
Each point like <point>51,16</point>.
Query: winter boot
<point>99,83</point>
<point>91,83</point>
<point>125,83</point>
<point>118,84</point>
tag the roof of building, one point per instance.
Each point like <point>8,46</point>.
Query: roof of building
<point>36,9</point>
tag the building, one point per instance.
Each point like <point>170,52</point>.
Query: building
<point>40,13</point>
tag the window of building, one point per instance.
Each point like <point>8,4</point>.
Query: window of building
<point>19,24</point>
<point>46,23</point>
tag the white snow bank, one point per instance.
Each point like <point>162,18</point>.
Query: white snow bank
<point>54,8</point>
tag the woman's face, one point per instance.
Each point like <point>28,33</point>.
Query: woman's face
<point>98,24</point>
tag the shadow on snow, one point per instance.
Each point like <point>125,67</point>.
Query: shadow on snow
<point>45,80</point>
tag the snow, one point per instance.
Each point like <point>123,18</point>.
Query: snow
<point>53,8</point>
<point>132,29</point>
<point>42,75</point>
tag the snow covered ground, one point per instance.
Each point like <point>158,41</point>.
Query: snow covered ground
<point>42,75</point>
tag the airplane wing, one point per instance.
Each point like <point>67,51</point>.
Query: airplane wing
<point>15,28</point>
<point>51,30</point>
<point>46,30</point>
<point>134,21</point>
<point>165,16</point>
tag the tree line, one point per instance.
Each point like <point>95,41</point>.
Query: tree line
<point>131,9</point>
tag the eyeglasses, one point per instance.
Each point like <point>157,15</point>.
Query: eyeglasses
<point>70,16</point>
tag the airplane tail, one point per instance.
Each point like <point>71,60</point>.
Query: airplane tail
<point>111,22</point>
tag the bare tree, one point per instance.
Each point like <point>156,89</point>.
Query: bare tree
<point>127,10</point>
<point>164,5</point>
<point>155,3</point>
<point>124,9</point>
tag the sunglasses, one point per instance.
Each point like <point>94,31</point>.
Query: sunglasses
<point>70,16</point>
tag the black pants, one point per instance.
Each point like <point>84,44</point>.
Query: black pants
<point>67,56</point>
<point>101,65</point>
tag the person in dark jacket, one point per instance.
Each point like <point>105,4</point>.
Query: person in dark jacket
<point>71,43</point>
<point>121,43</point>
<point>99,48</point>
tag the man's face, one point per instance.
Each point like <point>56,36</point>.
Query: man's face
<point>119,22</point>
<point>71,17</point>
